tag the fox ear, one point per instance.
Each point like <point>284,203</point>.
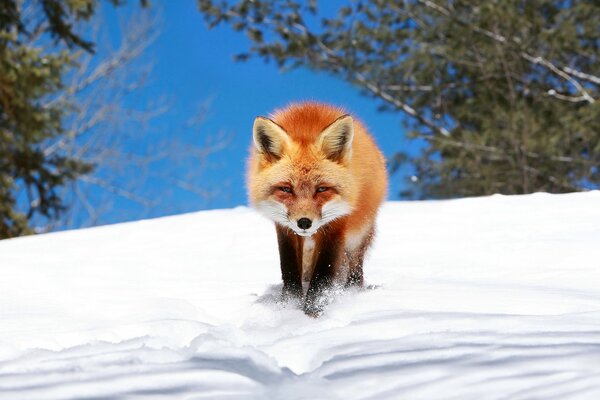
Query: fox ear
<point>336,139</point>
<point>269,138</point>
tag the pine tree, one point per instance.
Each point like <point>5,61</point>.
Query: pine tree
<point>504,96</point>
<point>35,54</point>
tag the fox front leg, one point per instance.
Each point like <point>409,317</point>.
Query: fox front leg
<point>327,264</point>
<point>356,260</point>
<point>290,256</point>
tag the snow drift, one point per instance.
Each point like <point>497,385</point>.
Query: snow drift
<point>493,298</point>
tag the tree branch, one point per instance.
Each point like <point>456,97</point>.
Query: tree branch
<point>564,72</point>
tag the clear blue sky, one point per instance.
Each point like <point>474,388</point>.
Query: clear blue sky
<point>194,65</point>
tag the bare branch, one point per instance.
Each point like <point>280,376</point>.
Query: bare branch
<point>329,56</point>
<point>559,72</point>
<point>399,104</point>
<point>107,126</point>
<point>582,75</point>
<point>408,88</point>
<point>572,99</point>
<point>117,190</point>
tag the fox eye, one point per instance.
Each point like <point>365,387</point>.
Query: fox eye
<point>285,189</point>
<point>322,189</point>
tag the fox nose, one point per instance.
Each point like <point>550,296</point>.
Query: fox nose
<point>304,223</point>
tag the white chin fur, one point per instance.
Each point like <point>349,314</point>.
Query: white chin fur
<point>306,232</point>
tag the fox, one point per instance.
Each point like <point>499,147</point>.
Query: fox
<point>316,172</point>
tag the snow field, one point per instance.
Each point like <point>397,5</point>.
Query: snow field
<point>484,298</point>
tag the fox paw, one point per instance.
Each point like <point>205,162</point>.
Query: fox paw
<point>312,310</point>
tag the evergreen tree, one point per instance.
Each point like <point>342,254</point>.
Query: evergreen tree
<point>503,95</point>
<point>35,54</point>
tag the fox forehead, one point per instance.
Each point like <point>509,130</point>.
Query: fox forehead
<point>304,171</point>
<point>304,121</point>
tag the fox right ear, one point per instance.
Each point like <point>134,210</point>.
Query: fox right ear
<point>269,138</point>
<point>336,139</point>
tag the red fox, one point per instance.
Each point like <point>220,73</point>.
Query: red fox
<point>317,173</point>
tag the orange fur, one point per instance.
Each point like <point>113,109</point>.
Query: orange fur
<point>299,150</point>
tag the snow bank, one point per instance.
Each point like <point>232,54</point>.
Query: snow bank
<point>493,298</point>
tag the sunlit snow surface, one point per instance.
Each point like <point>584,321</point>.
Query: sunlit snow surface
<point>486,298</point>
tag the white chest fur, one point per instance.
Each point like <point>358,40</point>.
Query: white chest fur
<point>308,253</point>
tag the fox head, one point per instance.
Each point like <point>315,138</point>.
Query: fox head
<point>302,182</point>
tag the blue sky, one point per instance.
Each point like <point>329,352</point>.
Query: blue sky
<point>195,66</point>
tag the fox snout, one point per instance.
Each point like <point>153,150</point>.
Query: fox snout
<point>304,223</point>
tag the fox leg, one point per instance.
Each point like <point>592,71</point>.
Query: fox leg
<point>355,275</point>
<point>356,260</point>
<point>290,256</point>
<point>327,264</point>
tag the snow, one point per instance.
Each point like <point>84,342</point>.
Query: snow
<point>495,298</point>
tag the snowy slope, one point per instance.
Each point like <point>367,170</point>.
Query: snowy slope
<point>487,298</point>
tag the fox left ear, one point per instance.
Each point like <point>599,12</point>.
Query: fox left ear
<point>336,139</point>
<point>269,138</point>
